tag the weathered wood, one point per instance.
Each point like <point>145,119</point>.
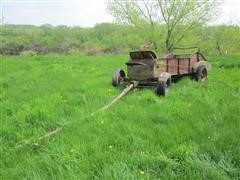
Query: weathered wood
<point>47,135</point>
<point>125,91</point>
<point>51,133</point>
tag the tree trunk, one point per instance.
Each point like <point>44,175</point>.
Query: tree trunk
<point>168,42</point>
<point>155,46</point>
<point>169,46</point>
<point>219,48</point>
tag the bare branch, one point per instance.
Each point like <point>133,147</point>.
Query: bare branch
<point>162,12</point>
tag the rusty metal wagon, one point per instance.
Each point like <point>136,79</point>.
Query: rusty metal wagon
<point>145,69</point>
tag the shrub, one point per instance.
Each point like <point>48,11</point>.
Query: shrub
<point>28,53</point>
<point>73,51</point>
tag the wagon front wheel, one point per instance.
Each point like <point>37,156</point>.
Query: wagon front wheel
<point>163,87</point>
<point>201,74</point>
<point>118,77</point>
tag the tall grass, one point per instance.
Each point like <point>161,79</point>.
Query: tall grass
<point>192,133</point>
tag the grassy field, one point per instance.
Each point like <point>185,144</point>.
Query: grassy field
<point>192,133</point>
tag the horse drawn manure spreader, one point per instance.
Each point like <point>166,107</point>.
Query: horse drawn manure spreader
<point>145,69</point>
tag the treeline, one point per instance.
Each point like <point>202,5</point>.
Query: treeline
<point>108,38</point>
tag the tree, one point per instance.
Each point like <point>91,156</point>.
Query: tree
<point>178,16</point>
<point>222,39</point>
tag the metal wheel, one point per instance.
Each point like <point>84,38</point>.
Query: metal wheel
<point>118,77</point>
<point>201,74</point>
<point>163,87</point>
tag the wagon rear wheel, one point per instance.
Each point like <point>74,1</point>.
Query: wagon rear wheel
<point>118,77</point>
<point>163,87</point>
<point>201,74</point>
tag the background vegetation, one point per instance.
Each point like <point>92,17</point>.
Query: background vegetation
<point>110,39</point>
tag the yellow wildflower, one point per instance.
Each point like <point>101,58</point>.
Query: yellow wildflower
<point>142,172</point>
<point>36,144</point>
<point>72,151</point>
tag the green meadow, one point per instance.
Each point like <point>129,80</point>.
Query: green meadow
<point>191,133</point>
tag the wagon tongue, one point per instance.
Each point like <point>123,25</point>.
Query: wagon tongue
<point>131,85</point>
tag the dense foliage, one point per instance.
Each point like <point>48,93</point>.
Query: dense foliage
<point>109,39</point>
<point>192,133</point>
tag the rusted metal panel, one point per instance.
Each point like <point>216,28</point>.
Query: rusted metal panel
<point>189,63</point>
<point>159,68</point>
<point>184,66</point>
<point>172,66</point>
<point>193,60</point>
<point>140,72</point>
<point>142,55</point>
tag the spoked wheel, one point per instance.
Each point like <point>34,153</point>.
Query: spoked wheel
<point>201,74</point>
<point>118,77</point>
<point>163,87</point>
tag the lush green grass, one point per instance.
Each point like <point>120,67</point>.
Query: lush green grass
<point>192,133</point>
